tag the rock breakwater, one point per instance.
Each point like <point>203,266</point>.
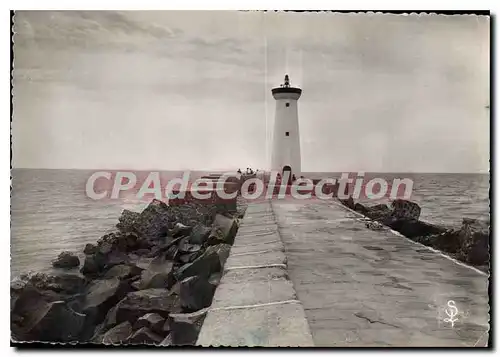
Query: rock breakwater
<point>468,243</point>
<point>149,282</point>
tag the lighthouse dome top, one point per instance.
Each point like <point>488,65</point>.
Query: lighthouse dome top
<point>286,88</point>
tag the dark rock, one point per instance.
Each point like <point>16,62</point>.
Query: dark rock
<point>167,341</point>
<point>448,241</point>
<point>191,213</point>
<point>25,298</point>
<point>141,262</point>
<point>94,264</point>
<point>349,202</point>
<point>158,274</point>
<point>67,284</point>
<point>186,258</point>
<point>186,327</point>
<point>160,264</point>
<point>404,209</point>
<point>145,336</point>
<point>52,321</point>
<point>155,280</point>
<point>122,271</point>
<point>66,260</point>
<point>180,230</point>
<point>142,252</point>
<point>199,234</point>
<point>474,236</point>
<point>101,296</point>
<point>223,231</point>
<point>140,303</point>
<point>196,293</point>
<point>116,258</point>
<point>215,278</point>
<point>378,212</point>
<point>206,264</point>
<point>413,228</point>
<point>152,223</point>
<point>118,334</point>
<point>105,248</point>
<point>358,207</point>
<point>152,321</point>
<point>98,333</point>
<point>121,242</point>
<point>222,251</point>
<point>90,249</point>
<point>186,247</point>
<point>127,221</point>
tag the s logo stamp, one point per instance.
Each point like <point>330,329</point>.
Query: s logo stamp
<point>451,311</point>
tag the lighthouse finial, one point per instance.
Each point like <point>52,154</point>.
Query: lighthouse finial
<point>287,81</point>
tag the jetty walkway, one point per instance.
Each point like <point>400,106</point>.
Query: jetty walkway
<point>311,273</point>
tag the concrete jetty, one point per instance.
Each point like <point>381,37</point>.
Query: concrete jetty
<point>311,273</point>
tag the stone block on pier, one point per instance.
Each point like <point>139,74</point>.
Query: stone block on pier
<point>283,325</point>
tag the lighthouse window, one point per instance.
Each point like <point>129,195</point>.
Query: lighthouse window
<point>287,133</point>
<point>287,104</point>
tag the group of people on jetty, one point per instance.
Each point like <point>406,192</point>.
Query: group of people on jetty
<point>249,171</point>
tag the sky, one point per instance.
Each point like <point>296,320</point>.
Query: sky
<point>175,90</point>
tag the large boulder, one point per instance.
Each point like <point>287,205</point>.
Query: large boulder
<point>101,296</point>
<point>66,260</point>
<point>404,209</point>
<point>186,247</point>
<point>123,271</point>
<point>223,231</point>
<point>152,321</point>
<point>167,341</point>
<point>117,334</point>
<point>158,274</point>
<point>89,249</point>
<point>185,328</point>
<point>25,299</point>
<point>127,221</point>
<point>203,266</point>
<point>413,228</point>
<point>65,284</point>
<point>140,303</point>
<point>51,321</point>
<point>196,293</point>
<point>94,264</point>
<point>119,241</point>
<point>199,234</point>
<point>448,241</point>
<point>222,251</point>
<point>155,280</point>
<point>474,236</point>
<point>378,212</point>
<point>349,202</point>
<point>108,254</point>
<point>180,230</point>
<point>153,221</point>
<point>358,207</point>
<point>190,213</point>
<point>144,336</point>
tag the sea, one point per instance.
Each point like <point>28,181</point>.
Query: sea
<point>51,213</point>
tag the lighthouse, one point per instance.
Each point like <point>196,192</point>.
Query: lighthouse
<point>286,140</point>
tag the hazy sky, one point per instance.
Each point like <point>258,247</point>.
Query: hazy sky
<point>192,90</point>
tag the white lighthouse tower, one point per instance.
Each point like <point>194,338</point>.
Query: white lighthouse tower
<point>286,139</point>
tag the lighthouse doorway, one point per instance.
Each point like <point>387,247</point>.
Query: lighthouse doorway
<point>287,174</point>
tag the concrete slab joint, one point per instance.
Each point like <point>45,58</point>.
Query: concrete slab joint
<point>255,303</point>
